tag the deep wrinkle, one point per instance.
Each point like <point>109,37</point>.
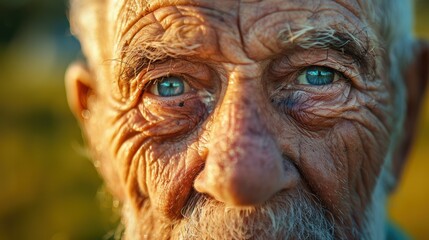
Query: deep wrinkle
<point>343,33</point>
<point>337,45</point>
<point>228,136</point>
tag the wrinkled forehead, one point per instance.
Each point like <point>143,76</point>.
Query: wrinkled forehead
<point>246,22</point>
<point>127,11</point>
<point>246,15</point>
<point>142,6</point>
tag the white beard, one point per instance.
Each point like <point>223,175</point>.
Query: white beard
<point>285,216</point>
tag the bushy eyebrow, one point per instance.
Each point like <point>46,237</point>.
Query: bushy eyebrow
<point>358,45</point>
<point>139,56</point>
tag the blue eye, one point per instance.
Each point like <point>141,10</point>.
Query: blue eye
<point>318,76</point>
<point>170,87</point>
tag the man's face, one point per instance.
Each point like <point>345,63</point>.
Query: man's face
<point>249,119</point>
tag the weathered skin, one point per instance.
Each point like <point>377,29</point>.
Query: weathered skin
<point>245,130</point>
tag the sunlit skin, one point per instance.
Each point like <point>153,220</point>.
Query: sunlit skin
<point>228,105</point>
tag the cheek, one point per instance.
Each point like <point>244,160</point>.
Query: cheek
<point>167,119</point>
<point>170,172</point>
<point>317,109</point>
<point>339,145</point>
<point>156,152</point>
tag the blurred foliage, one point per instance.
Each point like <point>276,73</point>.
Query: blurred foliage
<point>49,188</point>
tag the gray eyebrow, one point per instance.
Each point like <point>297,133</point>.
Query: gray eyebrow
<point>138,56</point>
<point>141,54</point>
<point>357,45</point>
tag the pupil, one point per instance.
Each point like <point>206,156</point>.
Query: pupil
<point>319,75</point>
<point>171,86</point>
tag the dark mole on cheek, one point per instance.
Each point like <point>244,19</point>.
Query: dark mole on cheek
<point>181,104</point>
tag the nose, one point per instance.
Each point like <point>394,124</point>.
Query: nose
<point>244,166</point>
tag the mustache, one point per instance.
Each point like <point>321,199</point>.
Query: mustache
<point>297,215</point>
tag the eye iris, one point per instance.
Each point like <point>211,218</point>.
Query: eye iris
<point>171,86</point>
<point>319,75</point>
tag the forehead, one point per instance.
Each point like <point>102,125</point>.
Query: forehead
<point>245,12</point>
<point>245,23</point>
<point>134,8</point>
<point>147,5</point>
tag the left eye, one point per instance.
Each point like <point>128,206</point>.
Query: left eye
<point>170,86</point>
<point>318,76</point>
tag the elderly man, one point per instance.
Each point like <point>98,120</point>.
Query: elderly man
<point>269,119</point>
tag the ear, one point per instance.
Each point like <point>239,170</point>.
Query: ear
<point>79,85</point>
<point>416,79</point>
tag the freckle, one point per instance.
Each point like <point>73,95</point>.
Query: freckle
<point>181,104</point>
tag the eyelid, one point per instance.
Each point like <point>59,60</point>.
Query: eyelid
<point>294,63</point>
<point>197,75</point>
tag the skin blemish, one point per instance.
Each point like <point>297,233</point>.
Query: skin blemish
<point>181,104</point>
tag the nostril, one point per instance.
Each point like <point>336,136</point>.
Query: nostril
<point>206,185</point>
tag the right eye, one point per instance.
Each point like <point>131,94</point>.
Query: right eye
<point>170,86</point>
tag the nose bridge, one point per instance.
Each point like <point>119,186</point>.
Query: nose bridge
<point>239,124</point>
<point>240,111</point>
<point>240,114</point>
<point>244,165</point>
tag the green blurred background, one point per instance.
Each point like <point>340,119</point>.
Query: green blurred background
<point>49,189</point>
